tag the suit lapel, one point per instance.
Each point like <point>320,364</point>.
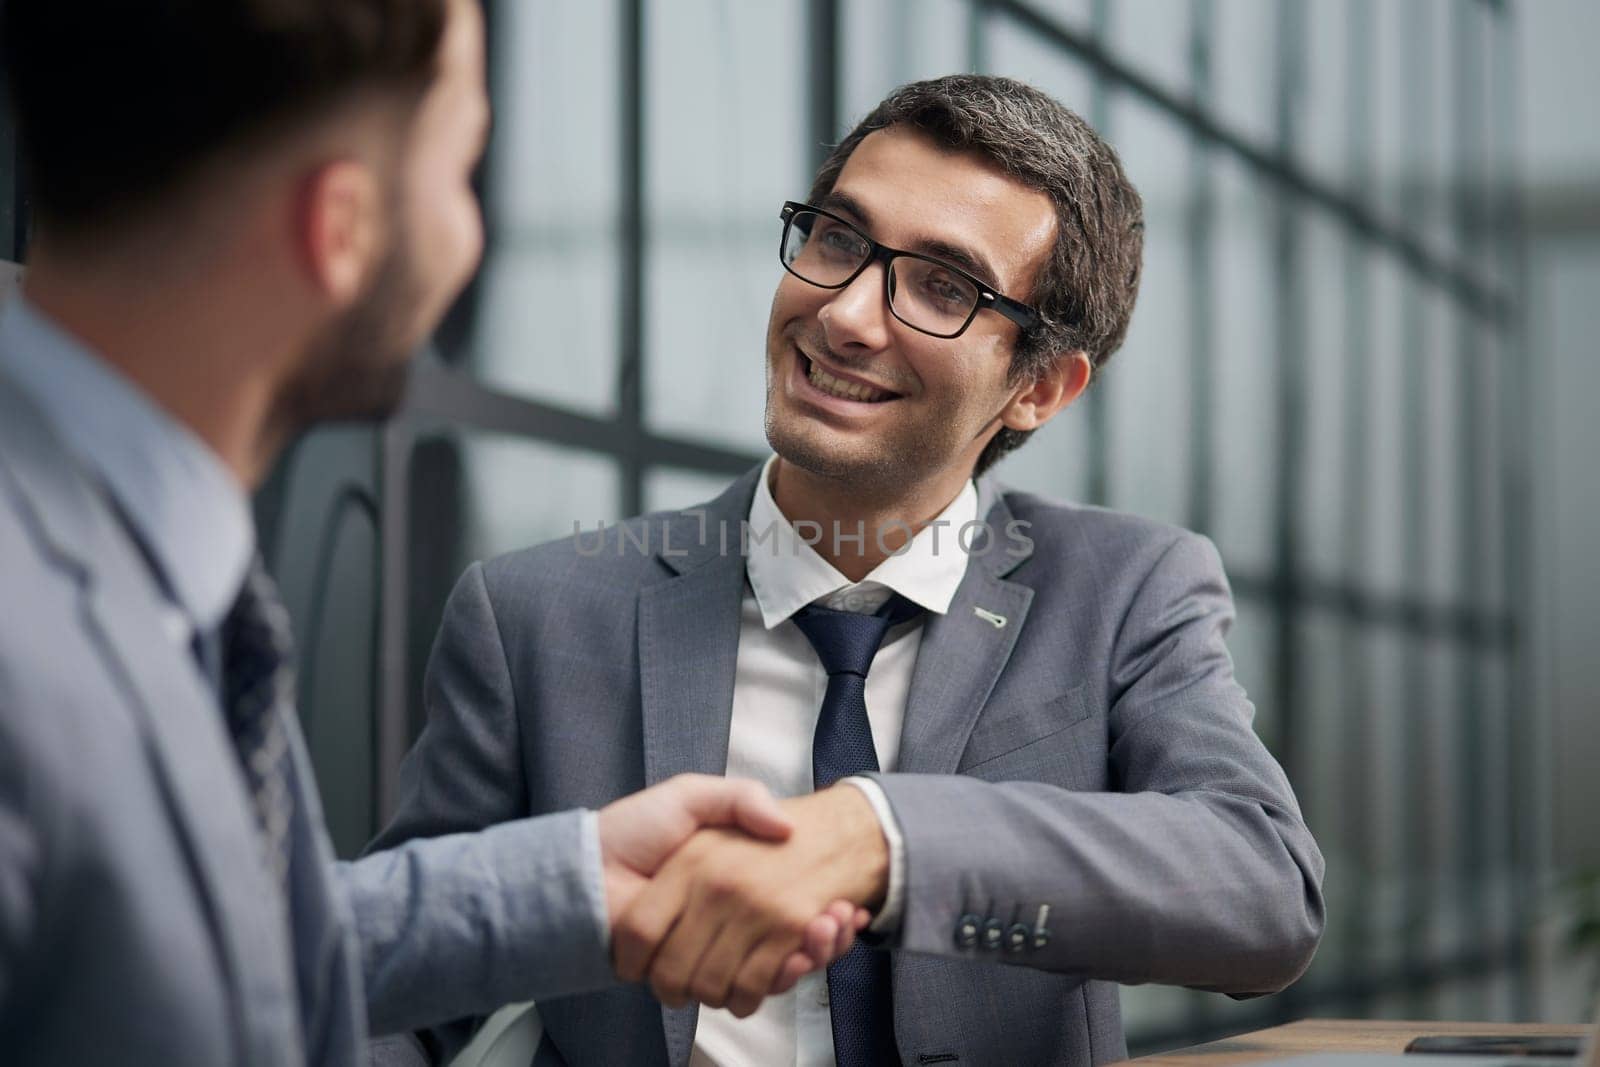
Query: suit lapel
<point>193,759</point>
<point>963,653</point>
<point>688,645</point>
<point>185,742</point>
<point>688,648</point>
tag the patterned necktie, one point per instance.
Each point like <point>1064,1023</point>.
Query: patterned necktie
<point>257,695</point>
<point>860,999</point>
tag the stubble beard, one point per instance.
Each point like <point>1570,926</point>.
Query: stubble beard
<point>357,369</point>
<point>899,460</point>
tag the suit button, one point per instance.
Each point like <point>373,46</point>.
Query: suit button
<point>967,931</point>
<point>1041,937</point>
<point>1017,937</point>
<point>994,932</point>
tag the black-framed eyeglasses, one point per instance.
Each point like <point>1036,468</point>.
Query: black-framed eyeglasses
<point>927,294</point>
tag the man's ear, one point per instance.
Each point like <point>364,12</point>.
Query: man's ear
<point>1058,385</point>
<point>339,228</point>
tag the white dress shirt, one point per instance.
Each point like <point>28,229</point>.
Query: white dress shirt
<point>778,688</point>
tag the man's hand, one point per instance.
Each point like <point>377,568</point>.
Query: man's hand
<point>721,919</point>
<point>638,833</point>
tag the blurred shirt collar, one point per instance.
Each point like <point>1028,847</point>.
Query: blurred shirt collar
<point>184,505</point>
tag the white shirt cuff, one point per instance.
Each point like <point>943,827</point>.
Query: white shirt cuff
<point>887,920</point>
<point>593,876</point>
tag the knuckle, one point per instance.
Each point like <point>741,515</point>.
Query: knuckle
<point>723,885</point>
<point>707,992</point>
<point>793,920</point>
<point>671,990</point>
<point>747,990</point>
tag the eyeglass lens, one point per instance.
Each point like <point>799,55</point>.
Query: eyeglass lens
<point>922,293</point>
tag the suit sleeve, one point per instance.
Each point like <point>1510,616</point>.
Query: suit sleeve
<point>19,871</point>
<point>1197,871</point>
<point>462,904</point>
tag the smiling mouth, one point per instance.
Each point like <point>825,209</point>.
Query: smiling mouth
<point>826,383</point>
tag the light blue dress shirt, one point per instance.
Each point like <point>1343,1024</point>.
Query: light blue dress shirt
<point>184,507</point>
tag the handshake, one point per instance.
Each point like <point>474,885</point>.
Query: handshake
<point>721,894</point>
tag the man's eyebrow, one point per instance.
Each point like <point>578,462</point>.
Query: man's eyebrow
<point>958,255</point>
<point>964,258</point>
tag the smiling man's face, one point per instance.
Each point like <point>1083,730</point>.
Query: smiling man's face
<point>856,395</point>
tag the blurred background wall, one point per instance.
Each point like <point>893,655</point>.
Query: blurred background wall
<point>1362,361</point>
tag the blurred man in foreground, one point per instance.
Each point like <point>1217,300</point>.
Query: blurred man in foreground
<point>248,215</point>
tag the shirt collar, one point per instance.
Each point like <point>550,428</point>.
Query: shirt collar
<point>787,574</point>
<point>186,508</point>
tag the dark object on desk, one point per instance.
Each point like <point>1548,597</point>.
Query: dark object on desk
<point>1496,1045</point>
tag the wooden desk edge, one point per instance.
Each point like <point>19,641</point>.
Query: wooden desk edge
<point>1336,1035</point>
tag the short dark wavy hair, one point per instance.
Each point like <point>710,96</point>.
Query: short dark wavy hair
<point>1087,288</point>
<point>119,103</point>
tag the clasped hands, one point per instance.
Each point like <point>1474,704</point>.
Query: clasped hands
<point>721,894</point>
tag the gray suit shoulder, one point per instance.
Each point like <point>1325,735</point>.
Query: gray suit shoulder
<point>1112,542</point>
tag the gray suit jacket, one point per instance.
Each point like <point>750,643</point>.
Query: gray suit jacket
<point>134,925</point>
<point>1093,754</point>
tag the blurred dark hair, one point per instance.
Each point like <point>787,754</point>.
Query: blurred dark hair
<point>118,102</point>
<point>1087,288</point>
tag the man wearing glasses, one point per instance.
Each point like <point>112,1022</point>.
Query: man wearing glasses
<point>1008,726</point>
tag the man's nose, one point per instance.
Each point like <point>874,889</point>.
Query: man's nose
<point>858,316</point>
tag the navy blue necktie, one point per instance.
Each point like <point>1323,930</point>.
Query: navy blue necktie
<point>860,1000</point>
<point>257,694</point>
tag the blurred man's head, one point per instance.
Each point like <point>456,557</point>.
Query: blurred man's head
<point>322,151</point>
<point>1025,202</point>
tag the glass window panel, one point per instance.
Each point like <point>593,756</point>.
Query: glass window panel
<point>1016,53</point>
<point>548,318</point>
<point>1323,782</point>
<point>1383,571</point>
<point>1443,101</point>
<point>1250,645</point>
<point>548,324</point>
<point>518,492</point>
<point>1147,383</point>
<point>1431,100</point>
<point>887,43</point>
<point>1244,64</point>
<point>1075,14</point>
<point>1327,366</point>
<point>1492,451</point>
<point>721,162</point>
<point>1505,735</point>
<point>673,488</point>
<point>1244,284</point>
<point>1054,461</point>
<point>1322,133</point>
<point>1384,781</point>
<point>1503,150</point>
<point>1439,790</point>
<point>1390,88</point>
<point>1153,37</point>
<point>1440,356</point>
<point>477,495</point>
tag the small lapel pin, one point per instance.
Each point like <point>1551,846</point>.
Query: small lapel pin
<point>997,621</point>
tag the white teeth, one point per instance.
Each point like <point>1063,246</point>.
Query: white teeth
<point>843,389</point>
